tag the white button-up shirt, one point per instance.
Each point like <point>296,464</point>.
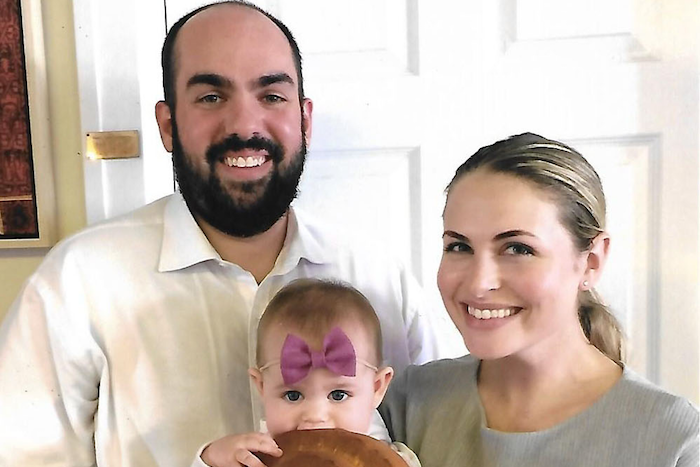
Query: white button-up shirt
<point>130,344</point>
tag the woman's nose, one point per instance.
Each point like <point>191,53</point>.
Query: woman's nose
<point>483,277</point>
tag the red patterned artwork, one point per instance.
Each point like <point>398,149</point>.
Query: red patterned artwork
<point>18,218</point>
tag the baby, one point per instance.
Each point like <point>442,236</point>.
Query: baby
<point>319,359</point>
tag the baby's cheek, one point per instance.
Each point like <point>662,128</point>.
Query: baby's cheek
<point>358,419</point>
<point>279,420</point>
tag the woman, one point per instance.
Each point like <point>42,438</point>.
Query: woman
<point>545,383</point>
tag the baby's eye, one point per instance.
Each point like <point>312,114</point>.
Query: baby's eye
<point>338,395</point>
<point>457,247</point>
<point>292,396</point>
<point>519,249</point>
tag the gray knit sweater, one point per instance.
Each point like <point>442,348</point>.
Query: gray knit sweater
<point>435,409</point>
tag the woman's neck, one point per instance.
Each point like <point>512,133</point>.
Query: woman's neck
<point>545,385</point>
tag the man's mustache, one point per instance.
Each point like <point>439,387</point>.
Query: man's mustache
<point>235,143</point>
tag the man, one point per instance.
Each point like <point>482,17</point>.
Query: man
<point>129,346</point>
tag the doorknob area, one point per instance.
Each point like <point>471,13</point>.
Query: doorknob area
<point>112,144</point>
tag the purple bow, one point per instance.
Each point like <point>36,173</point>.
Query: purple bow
<point>338,355</point>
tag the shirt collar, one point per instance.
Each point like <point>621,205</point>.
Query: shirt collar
<point>302,241</point>
<point>184,243</point>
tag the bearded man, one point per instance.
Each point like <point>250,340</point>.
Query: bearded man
<point>130,344</point>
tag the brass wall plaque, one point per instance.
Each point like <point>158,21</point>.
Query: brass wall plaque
<point>112,144</point>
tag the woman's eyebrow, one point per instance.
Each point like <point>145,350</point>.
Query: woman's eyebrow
<point>513,233</point>
<point>453,234</point>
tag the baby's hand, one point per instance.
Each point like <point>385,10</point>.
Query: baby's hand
<point>237,450</point>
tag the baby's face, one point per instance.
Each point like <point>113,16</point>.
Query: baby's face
<point>322,399</point>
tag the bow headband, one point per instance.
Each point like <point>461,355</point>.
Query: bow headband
<point>337,355</point>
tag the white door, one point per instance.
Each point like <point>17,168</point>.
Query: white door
<point>405,90</point>
<point>619,81</point>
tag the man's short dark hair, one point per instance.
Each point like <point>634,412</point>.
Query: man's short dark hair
<point>168,59</point>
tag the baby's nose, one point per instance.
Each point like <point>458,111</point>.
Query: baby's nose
<point>314,417</point>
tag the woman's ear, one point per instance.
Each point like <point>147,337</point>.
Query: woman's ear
<point>596,257</point>
<point>256,377</point>
<point>381,384</point>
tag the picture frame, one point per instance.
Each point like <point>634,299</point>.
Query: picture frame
<point>27,196</point>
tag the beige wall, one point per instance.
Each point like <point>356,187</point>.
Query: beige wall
<point>17,264</point>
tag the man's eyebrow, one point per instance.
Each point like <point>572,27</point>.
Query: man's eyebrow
<point>267,80</point>
<point>513,233</point>
<point>211,79</point>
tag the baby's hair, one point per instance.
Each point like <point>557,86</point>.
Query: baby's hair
<point>312,307</point>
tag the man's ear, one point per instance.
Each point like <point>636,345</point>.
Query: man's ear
<point>165,124</point>
<point>307,107</point>
<point>596,257</point>
<point>256,377</point>
<point>381,384</point>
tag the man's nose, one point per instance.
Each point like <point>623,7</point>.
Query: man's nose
<point>244,117</point>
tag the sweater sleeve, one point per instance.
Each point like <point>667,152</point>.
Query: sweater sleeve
<point>690,452</point>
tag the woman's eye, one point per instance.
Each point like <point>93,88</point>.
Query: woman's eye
<point>519,249</point>
<point>458,247</point>
<point>338,395</point>
<point>292,396</point>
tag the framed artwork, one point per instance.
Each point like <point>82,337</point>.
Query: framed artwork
<point>27,203</point>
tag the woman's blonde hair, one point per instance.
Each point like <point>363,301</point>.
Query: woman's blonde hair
<point>574,186</point>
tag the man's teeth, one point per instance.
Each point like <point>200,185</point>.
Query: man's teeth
<point>489,314</point>
<point>244,162</point>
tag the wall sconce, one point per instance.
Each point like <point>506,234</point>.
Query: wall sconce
<point>112,144</point>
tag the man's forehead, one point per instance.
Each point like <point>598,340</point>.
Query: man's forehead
<point>225,12</point>
<point>228,28</point>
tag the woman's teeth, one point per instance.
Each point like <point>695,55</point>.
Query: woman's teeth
<point>490,314</point>
<point>244,161</point>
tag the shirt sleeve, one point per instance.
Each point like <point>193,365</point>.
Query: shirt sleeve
<point>377,428</point>
<point>690,455</point>
<point>198,462</point>
<point>406,454</point>
<point>48,384</point>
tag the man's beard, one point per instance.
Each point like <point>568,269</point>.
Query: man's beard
<point>260,204</point>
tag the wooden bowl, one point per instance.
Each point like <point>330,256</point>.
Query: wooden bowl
<point>331,448</point>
